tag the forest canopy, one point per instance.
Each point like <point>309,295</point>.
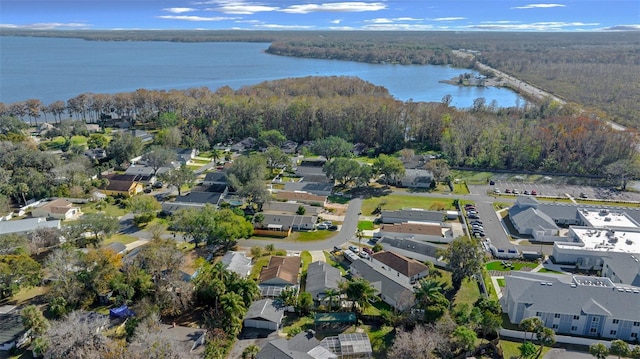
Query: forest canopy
<point>548,138</point>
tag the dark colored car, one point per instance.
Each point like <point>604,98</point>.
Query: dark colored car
<point>333,227</point>
<point>474,216</point>
<point>367,250</point>
<point>492,182</point>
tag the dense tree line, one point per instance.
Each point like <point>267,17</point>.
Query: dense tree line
<point>547,137</point>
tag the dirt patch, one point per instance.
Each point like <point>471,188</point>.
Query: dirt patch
<point>337,209</point>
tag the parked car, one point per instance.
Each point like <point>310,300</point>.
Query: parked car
<point>158,184</point>
<point>469,205</point>
<point>328,223</point>
<point>496,190</point>
<point>492,182</point>
<point>474,216</point>
<point>583,195</point>
<point>472,212</point>
<point>333,227</point>
<point>364,255</point>
<point>515,191</point>
<point>534,192</point>
<point>470,208</point>
<point>367,250</point>
<point>476,222</point>
<point>354,249</point>
<point>336,249</point>
<point>322,226</point>
<point>507,190</point>
<point>526,192</point>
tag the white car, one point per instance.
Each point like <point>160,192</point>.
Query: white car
<point>354,249</point>
<point>322,226</point>
<point>364,255</point>
<point>496,190</point>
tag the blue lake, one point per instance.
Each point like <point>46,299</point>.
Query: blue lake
<point>51,69</point>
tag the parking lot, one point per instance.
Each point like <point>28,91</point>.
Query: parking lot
<point>558,190</point>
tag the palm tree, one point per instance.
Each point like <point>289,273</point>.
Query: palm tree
<point>359,235</point>
<point>331,293</point>
<point>250,352</point>
<point>215,154</point>
<point>359,291</point>
<point>531,325</point>
<point>233,310</point>
<point>547,338</point>
<point>599,351</point>
<point>428,291</point>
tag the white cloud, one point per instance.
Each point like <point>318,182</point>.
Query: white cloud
<point>397,27</point>
<point>179,10</point>
<point>384,20</point>
<point>357,6</point>
<point>342,28</point>
<point>448,18</point>
<point>336,21</point>
<point>196,18</point>
<point>46,26</point>
<point>500,22</point>
<point>538,6</point>
<point>249,21</point>
<point>538,26</point>
<point>240,7</point>
<point>284,27</point>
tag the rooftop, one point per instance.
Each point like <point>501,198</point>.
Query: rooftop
<point>606,218</point>
<point>625,240</point>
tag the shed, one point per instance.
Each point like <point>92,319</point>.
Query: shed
<point>263,315</point>
<point>452,214</point>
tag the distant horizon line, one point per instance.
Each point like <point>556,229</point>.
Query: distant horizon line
<point>605,30</point>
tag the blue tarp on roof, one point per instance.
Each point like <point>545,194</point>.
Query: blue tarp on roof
<point>121,312</point>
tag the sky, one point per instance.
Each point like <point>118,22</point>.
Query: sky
<point>420,15</point>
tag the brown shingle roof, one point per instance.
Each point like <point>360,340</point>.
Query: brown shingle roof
<point>408,267</point>
<point>413,228</point>
<point>58,206</point>
<point>285,268</point>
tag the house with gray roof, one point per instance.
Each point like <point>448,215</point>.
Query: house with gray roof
<point>320,277</point>
<point>396,293</point>
<point>534,223</point>
<point>12,331</point>
<point>192,200</point>
<point>412,248</point>
<point>302,346</point>
<point>263,314</point>
<point>416,178</point>
<point>622,268</point>
<point>317,188</point>
<point>27,225</point>
<point>411,215</point>
<point>237,262</point>
<point>212,178</point>
<point>290,207</point>
<point>574,305</point>
<point>285,222</point>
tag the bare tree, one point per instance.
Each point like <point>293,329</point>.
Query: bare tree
<point>79,335</point>
<point>420,343</point>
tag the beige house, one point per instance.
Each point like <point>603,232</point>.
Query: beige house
<point>58,209</point>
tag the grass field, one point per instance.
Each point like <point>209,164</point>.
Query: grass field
<point>365,225</point>
<point>515,265</point>
<point>510,349</point>
<point>501,282</point>
<point>394,202</point>
<point>311,236</point>
<point>106,208</point>
<point>545,270</point>
<point>122,238</point>
<point>468,293</point>
<point>305,256</point>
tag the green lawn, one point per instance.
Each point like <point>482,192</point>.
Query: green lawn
<point>487,283</point>
<point>106,208</point>
<point>460,188</point>
<point>516,265</point>
<point>365,225</point>
<point>381,339</point>
<point>305,256</point>
<point>468,293</point>
<point>257,266</point>
<point>292,322</point>
<point>545,270</point>
<point>394,202</point>
<point>501,282</point>
<point>510,349</point>
<point>311,236</point>
<point>122,238</point>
